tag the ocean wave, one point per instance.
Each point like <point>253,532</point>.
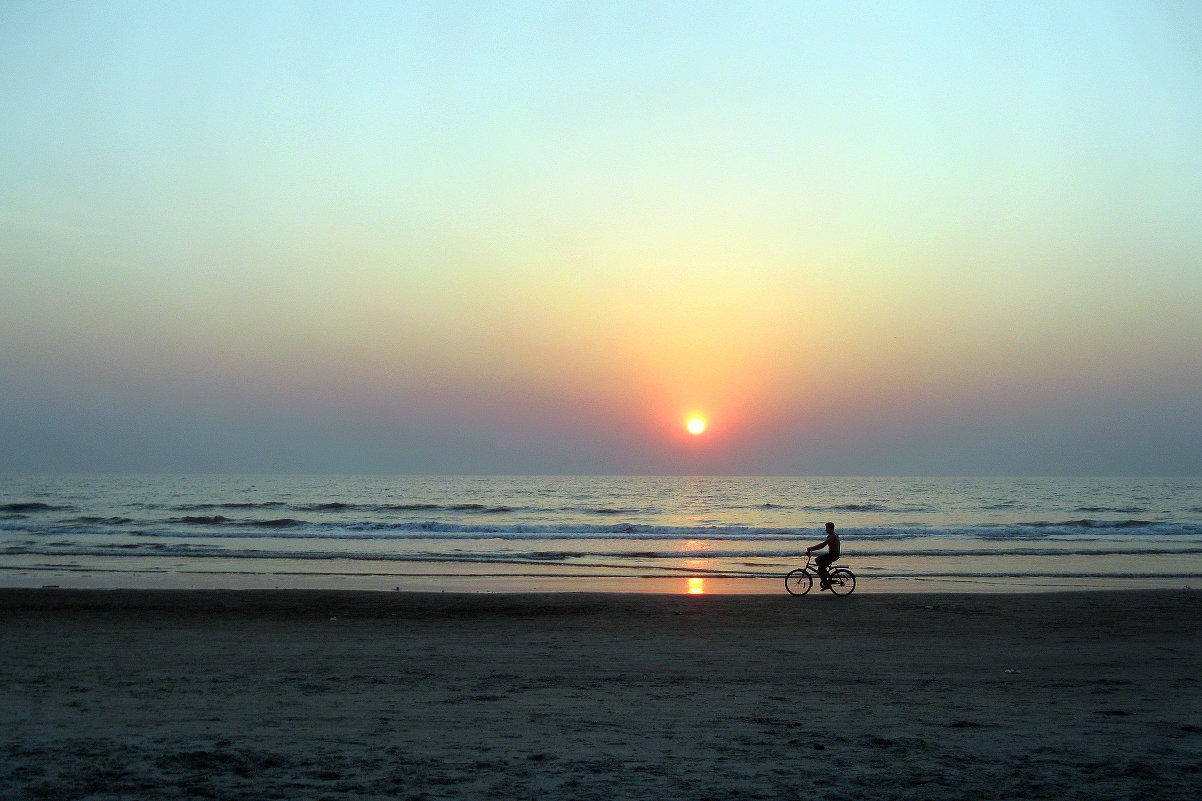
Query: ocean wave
<point>504,508</point>
<point>220,526</point>
<point>23,507</point>
<point>283,522</point>
<point>221,520</point>
<point>1121,510</point>
<point>865,507</point>
<point>217,548</point>
<point>1090,523</point>
<point>199,507</point>
<point>380,508</point>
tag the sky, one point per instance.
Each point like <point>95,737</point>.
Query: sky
<point>860,238</point>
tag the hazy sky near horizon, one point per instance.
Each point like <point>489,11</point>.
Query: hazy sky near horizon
<point>536,237</point>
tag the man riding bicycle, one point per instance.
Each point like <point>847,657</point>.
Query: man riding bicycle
<point>831,543</point>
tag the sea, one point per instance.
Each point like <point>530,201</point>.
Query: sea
<point>595,533</point>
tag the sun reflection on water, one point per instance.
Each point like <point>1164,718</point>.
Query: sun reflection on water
<point>696,585</point>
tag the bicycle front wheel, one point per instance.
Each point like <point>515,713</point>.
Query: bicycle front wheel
<point>843,581</point>
<point>799,581</point>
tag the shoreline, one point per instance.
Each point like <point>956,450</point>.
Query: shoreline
<point>493,583</point>
<point>284,694</point>
<point>198,600</point>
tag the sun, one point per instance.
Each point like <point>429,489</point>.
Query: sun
<point>696,425</point>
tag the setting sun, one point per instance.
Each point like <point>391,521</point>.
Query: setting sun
<point>696,425</point>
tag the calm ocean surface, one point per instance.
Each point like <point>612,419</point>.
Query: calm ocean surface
<point>634,534</point>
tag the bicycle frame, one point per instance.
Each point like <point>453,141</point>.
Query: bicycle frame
<point>800,580</point>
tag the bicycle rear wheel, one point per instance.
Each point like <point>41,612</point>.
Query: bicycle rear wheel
<point>799,581</point>
<point>843,581</point>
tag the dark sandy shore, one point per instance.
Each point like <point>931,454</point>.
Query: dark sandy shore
<point>327,695</point>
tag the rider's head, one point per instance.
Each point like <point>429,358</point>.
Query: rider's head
<point>830,527</point>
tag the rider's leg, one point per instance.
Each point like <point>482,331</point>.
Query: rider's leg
<point>822,562</point>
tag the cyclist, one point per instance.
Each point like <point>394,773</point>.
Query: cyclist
<point>831,543</point>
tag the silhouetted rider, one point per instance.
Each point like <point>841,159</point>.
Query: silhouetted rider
<point>831,543</point>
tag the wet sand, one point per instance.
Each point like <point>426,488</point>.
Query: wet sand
<point>330,695</point>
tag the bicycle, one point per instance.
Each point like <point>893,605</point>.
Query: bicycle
<point>801,580</point>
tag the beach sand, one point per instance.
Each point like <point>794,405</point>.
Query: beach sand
<point>329,695</point>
